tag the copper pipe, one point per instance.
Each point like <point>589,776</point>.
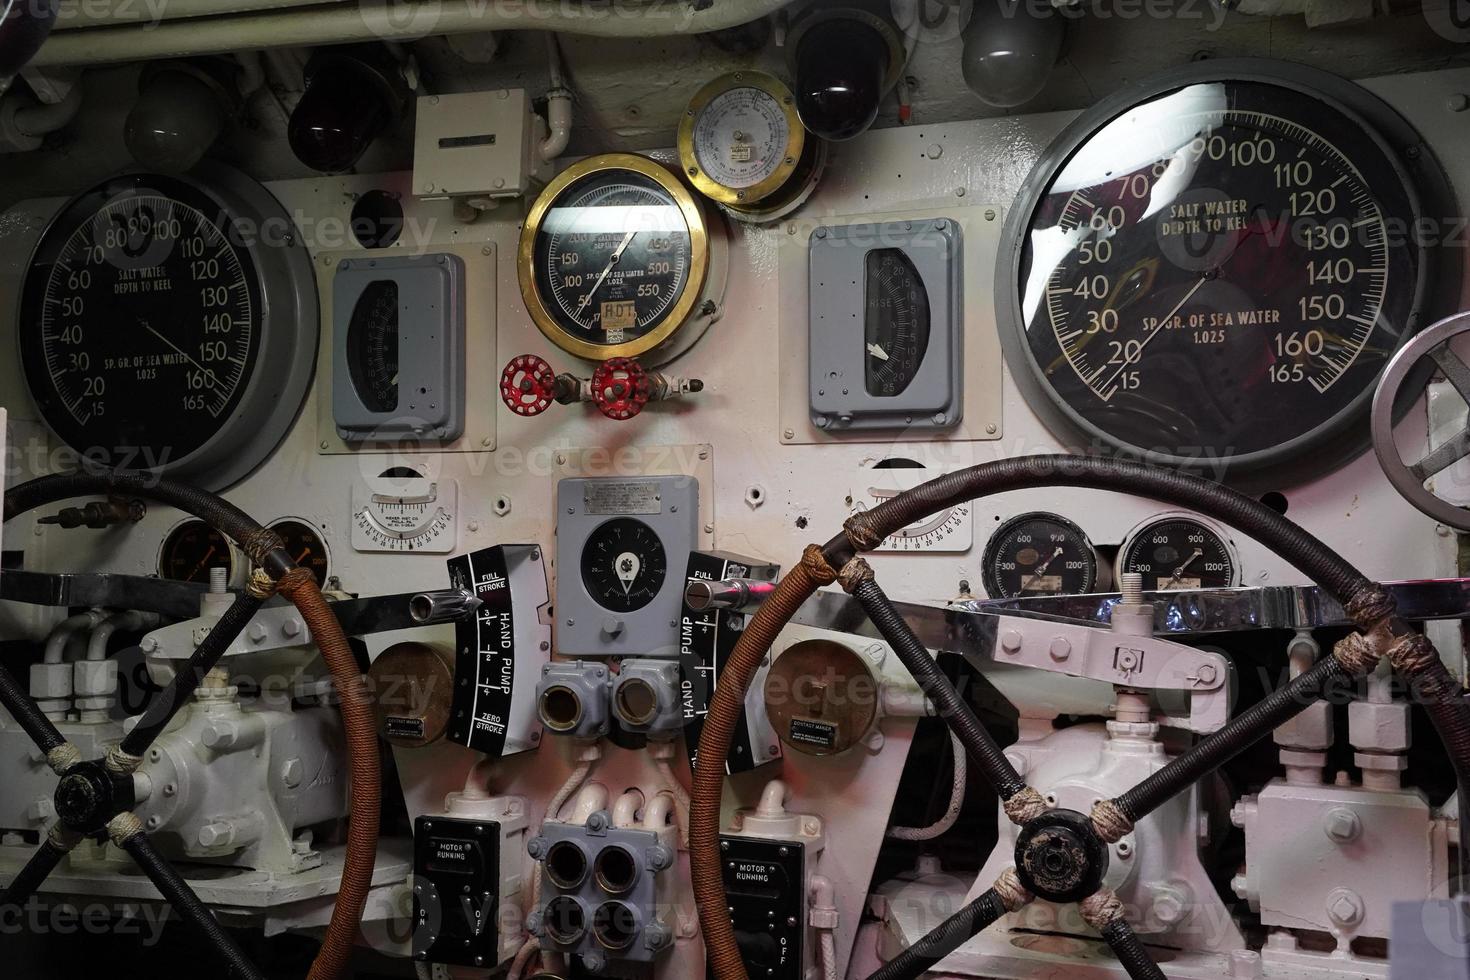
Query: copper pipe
<point>714,748</point>
<point>300,587</point>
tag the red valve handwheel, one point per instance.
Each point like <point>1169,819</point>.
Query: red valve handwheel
<point>621,388</point>
<point>527,385</point>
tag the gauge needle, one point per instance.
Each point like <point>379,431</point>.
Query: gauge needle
<point>1179,572</point>
<point>208,377</point>
<point>202,562</point>
<point>1158,328</point>
<point>611,264</point>
<point>878,352</point>
<point>1041,570</point>
<point>627,568</point>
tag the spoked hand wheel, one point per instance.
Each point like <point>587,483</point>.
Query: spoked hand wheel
<point>94,797</point>
<point>1410,479</point>
<point>1061,855</point>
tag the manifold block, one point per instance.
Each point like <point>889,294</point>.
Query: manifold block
<point>604,889</point>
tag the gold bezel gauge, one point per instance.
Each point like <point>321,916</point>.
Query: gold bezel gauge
<point>741,140</point>
<point>617,259</point>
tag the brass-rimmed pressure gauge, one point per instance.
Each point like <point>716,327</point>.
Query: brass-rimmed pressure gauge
<point>741,140</point>
<point>618,259</point>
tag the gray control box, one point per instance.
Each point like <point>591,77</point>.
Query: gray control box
<point>886,326</point>
<point>398,349</point>
<point>622,548</point>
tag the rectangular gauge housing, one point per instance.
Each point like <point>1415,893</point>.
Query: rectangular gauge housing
<point>417,355</point>
<point>587,626</point>
<point>886,326</point>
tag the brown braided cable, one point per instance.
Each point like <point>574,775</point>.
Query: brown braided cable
<point>299,586</point>
<point>714,748</point>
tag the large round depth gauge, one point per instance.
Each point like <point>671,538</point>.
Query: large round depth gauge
<point>615,259</point>
<point>170,324</point>
<point>1218,265</point>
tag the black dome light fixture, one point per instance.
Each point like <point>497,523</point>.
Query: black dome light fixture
<point>845,58</point>
<point>353,95</point>
<point>24,27</point>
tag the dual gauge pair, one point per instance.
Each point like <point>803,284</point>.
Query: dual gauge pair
<point>1046,554</point>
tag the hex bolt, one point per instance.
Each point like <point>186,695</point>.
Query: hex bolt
<point>1342,825</point>
<point>1345,907</point>
<point>1010,642</point>
<point>1061,648</point>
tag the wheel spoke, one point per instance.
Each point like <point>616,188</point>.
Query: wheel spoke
<point>1448,454</point>
<point>979,744</point>
<point>56,846</point>
<point>1455,370</point>
<point>190,675</point>
<point>1131,952</point>
<point>183,898</point>
<point>955,931</point>
<point>1243,731</point>
<point>27,714</point>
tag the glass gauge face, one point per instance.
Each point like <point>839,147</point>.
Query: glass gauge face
<point>1039,554</point>
<point>191,550</point>
<point>1179,553</point>
<point>624,565</point>
<point>372,346</point>
<point>139,320</point>
<point>742,138</point>
<point>1220,272</point>
<point>896,327</point>
<point>612,257</point>
<point>304,543</point>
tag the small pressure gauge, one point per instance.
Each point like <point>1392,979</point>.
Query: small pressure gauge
<point>1180,551</point>
<point>740,140</point>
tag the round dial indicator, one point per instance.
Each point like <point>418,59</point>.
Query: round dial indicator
<point>306,545</point>
<point>624,565</point>
<point>1039,554</point>
<point>896,322</point>
<point>613,258</point>
<point>143,311</point>
<point>741,139</point>
<point>144,333</point>
<point>1211,268</point>
<point>191,549</point>
<point>1177,552</point>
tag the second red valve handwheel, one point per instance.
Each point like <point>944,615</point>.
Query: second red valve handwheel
<point>620,388</point>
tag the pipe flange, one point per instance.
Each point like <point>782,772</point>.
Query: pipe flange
<point>1060,858</point>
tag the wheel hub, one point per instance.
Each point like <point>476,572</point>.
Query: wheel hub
<point>1060,858</point>
<point>88,796</point>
